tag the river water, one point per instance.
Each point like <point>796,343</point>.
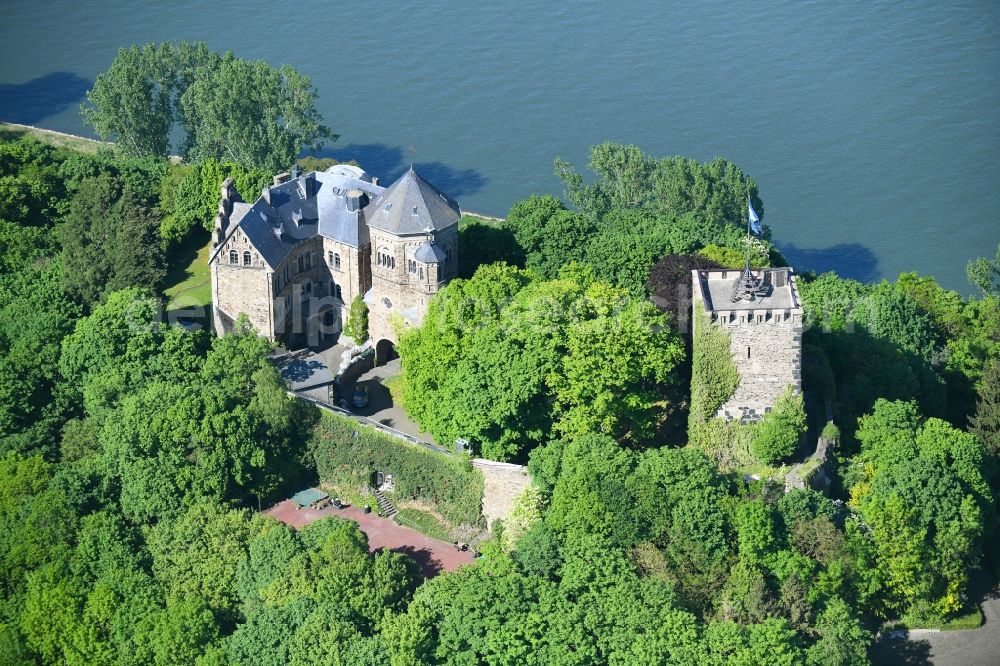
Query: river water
<point>872,128</point>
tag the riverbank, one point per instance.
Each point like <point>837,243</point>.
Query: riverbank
<point>52,137</point>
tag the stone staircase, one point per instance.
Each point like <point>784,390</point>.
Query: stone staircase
<point>385,507</point>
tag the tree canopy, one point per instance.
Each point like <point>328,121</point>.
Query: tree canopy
<point>231,110</point>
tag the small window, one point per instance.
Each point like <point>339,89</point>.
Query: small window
<point>421,272</point>
<point>247,261</point>
<point>309,259</point>
<point>302,263</point>
<point>392,262</point>
<point>386,302</point>
<point>234,257</point>
<point>748,352</point>
<point>337,292</point>
<point>309,287</point>
<point>387,206</point>
<point>336,261</point>
<point>288,273</point>
<point>414,210</point>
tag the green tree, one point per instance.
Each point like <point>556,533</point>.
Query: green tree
<point>550,234</point>
<point>357,320</point>
<point>110,240</point>
<point>842,639</point>
<point>984,274</point>
<point>131,103</point>
<point>250,113</point>
<point>985,424</point>
<point>779,433</point>
<point>922,489</point>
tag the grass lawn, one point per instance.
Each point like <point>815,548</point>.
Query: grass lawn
<point>470,218</point>
<point>188,280</point>
<point>395,387</point>
<point>970,619</point>
<point>57,139</point>
<point>425,523</point>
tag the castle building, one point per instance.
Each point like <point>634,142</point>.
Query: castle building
<point>765,332</point>
<point>293,261</point>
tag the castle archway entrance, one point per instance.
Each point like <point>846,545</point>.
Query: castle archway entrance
<point>385,351</point>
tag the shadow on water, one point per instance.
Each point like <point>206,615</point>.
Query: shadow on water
<point>848,260</point>
<point>389,163</point>
<point>28,103</point>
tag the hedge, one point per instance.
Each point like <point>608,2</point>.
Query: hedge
<point>348,453</point>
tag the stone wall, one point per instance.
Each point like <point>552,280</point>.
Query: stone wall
<point>502,484</point>
<point>768,356</point>
<point>765,338</point>
<point>238,289</point>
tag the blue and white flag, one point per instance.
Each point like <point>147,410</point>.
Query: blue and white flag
<point>754,218</point>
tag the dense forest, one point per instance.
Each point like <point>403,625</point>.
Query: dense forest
<point>135,455</point>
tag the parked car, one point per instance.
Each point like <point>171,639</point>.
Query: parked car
<point>360,397</point>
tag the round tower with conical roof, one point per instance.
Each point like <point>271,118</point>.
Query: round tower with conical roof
<point>414,253</point>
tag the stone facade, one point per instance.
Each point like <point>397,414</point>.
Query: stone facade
<point>245,285</point>
<point>502,484</point>
<point>765,337</point>
<point>293,261</point>
<point>401,285</point>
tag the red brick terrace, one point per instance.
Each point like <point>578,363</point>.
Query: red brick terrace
<point>433,556</point>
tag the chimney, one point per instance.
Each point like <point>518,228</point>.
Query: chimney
<point>281,178</point>
<point>375,180</point>
<point>296,171</point>
<point>356,200</point>
<point>265,194</point>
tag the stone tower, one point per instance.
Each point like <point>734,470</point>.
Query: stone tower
<point>765,332</point>
<point>414,253</point>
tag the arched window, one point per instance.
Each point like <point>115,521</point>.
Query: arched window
<point>234,257</point>
<point>421,272</point>
<point>329,258</point>
<point>247,261</point>
<point>385,259</point>
<point>309,259</point>
<point>337,292</point>
<point>309,287</point>
<point>302,263</point>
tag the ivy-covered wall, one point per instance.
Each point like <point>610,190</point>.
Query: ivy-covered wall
<point>348,453</point>
<point>714,376</point>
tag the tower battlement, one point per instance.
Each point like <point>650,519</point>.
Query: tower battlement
<point>765,333</point>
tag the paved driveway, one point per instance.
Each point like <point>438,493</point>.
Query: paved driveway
<point>976,647</point>
<point>432,555</point>
<point>380,406</point>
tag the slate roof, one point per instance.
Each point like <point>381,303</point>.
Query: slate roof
<point>430,253</point>
<point>316,203</point>
<point>411,205</point>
